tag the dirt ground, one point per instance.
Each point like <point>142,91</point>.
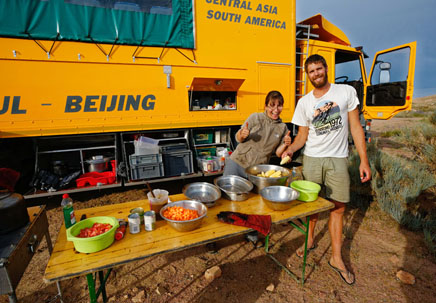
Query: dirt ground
<point>375,249</point>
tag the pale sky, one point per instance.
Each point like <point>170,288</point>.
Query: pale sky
<point>382,24</point>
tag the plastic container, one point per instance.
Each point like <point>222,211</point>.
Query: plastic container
<point>68,210</point>
<point>204,137</point>
<point>92,244</point>
<point>158,200</point>
<point>139,172</point>
<point>146,146</point>
<point>145,159</point>
<point>308,190</point>
<point>178,163</point>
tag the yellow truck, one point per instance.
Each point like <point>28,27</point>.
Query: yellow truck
<point>83,82</point>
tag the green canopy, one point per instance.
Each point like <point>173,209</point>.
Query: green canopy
<point>134,22</point>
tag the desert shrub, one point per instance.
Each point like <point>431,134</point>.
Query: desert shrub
<point>421,140</point>
<point>432,118</point>
<point>391,133</point>
<point>396,184</point>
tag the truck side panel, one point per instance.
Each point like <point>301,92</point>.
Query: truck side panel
<point>77,89</point>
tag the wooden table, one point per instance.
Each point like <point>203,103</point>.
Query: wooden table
<point>66,263</point>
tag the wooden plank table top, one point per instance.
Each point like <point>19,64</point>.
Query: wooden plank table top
<point>66,263</point>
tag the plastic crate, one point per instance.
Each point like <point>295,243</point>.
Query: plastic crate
<point>139,172</point>
<point>178,163</point>
<point>145,159</point>
<point>204,137</point>
<point>205,151</point>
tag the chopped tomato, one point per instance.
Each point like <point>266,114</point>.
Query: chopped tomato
<point>95,230</point>
<point>179,213</point>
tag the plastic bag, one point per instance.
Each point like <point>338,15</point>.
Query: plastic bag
<point>146,146</point>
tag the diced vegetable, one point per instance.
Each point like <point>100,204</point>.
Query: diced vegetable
<point>95,230</point>
<point>178,213</point>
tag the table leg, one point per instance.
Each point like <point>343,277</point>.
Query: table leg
<point>93,295</point>
<point>102,282</point>
<point>305,231</point>
<point>91,288</point>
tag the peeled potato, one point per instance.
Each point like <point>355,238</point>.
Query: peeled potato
<point>270,172</point>
<point>276,174</point>
<point>285,160</point>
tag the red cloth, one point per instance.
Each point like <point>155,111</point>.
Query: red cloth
<point>8,178</point>
<point>261,223</point>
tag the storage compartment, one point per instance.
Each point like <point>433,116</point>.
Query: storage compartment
<point>145,159</point>
<point>210,164</point>
<point>139,172</point>
<point>177,163</point>
<point>205,151</point>
<point>203,137</point>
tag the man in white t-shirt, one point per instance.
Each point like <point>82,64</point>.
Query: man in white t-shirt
<point>323,117</point>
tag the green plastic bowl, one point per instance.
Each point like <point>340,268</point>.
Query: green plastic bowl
<point>92,244</point>
<point>308,190</point>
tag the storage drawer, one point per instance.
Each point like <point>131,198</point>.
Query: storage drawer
<point>178,163</point>
<point>147,171</point>
<point>145,159</point>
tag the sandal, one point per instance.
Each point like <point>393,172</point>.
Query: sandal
<point>301,250</point>
<point>341,273</point>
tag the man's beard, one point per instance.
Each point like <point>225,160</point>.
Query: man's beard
<point>319,84</point>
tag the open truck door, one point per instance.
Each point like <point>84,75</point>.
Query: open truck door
<point>390,85</point>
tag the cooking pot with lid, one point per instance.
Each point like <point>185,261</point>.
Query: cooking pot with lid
<point>13,212</point>
<point>98,164</point>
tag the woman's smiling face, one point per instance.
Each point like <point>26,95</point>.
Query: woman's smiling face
<point>274,108</point>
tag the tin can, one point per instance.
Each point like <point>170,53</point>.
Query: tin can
<point>134,223</point>
<point>139,211</point>
<point>150,220</point>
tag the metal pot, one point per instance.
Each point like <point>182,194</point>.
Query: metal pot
<point>13,212</point>
<point>98,164</point>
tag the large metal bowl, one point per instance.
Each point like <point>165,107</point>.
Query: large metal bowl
<point>262,182</point>
<point>279,197</point>
<point>234,187</point>
<point>187,225</point>
<point>202,191</point>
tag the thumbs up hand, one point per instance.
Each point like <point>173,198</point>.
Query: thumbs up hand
<point>244,132</point>
<point>287,139</point>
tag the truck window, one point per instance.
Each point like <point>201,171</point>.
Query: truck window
<point>348,71</point>
<point>391,67</point>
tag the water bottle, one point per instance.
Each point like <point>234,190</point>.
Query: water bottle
<point>67,208</point>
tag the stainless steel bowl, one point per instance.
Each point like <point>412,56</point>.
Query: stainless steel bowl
<point>234,188</point>
<point>262,182</point>
<point>189,224</point>
<point>202,191</point>
<point>279,197</point>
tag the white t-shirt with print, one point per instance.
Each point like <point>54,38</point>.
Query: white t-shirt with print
<point>327,119</point>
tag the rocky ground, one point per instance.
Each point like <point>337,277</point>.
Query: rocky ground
<point>375,248</point>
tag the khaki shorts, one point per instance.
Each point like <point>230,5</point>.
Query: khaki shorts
<point>330,172</point>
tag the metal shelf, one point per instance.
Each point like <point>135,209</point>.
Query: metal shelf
<point>40,194</point>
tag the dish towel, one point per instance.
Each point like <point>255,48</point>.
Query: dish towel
<point>261,223</point>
